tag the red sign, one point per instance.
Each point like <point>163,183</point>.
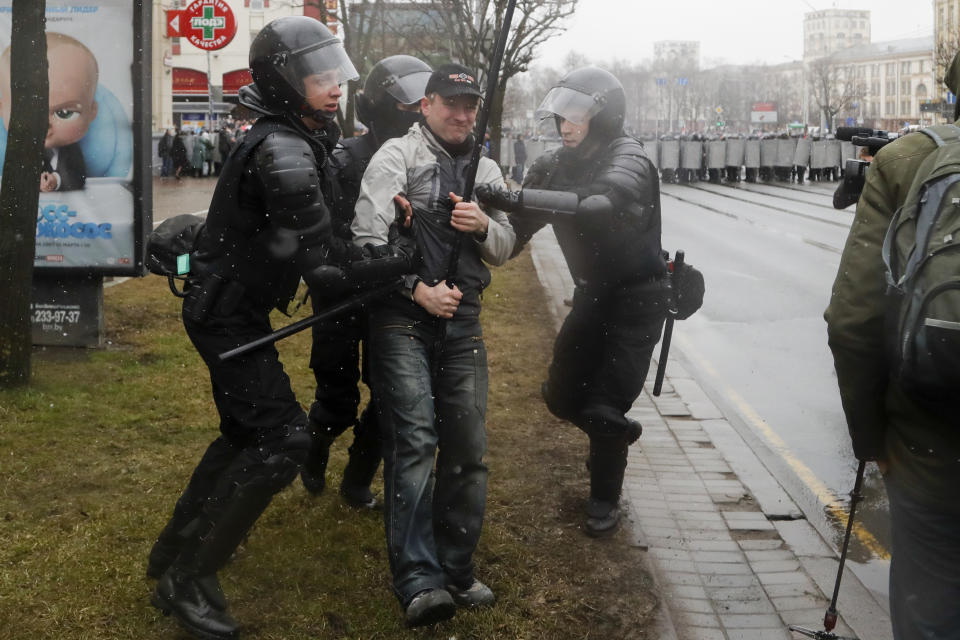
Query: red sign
<point>174,20</point>
<point>208,24</point>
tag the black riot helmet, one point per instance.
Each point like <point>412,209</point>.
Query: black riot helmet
<point>395,80</point>
<point>589,93</point>
<point>293,48</point>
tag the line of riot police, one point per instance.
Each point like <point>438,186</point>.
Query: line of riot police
<point>755,158</point>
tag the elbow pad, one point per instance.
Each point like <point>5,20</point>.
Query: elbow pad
<point>287,168</point>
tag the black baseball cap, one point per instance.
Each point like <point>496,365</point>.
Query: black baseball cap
<point>453,79</point>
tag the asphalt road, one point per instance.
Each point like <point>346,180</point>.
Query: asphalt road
<point>770,254</point>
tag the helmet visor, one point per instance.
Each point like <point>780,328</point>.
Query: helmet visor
<point>569,104</point>
<point>317,69</point>
<point>408,88</point>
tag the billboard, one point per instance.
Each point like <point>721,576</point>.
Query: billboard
<point>93,194</point>
<point>763,113</point>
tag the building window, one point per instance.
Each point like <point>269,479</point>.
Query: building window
<point>905,87</point>
<point>921,91</point>
<point>875,88</point>
<point>905,66</point>
<point>891,87</point>
<point>256,5</point>
<point>876,71</point>
<point>891,68</point>
<point>888,110</point>
<point>905,107</point>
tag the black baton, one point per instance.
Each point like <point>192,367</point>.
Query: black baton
<point>668,326</point>
<point>341,307</point>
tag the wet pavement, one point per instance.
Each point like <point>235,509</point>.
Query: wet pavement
<point>188,195</point>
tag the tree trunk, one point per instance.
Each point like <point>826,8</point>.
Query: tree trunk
<point>20,192</point>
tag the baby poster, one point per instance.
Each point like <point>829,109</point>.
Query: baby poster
<point>88,213</point>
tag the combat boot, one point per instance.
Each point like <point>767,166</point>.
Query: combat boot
<point>608,461</point>
<point>357,476</point>
<point>314,471</point>
<point>197,602</point>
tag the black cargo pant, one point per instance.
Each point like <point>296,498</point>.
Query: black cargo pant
<point>336,364</point>
<point>263,430</point>
<point>600,360</point>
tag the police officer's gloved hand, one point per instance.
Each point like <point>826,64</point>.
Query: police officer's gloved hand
<point>498,197</point>
<point>402,239</point>
<point>688,288</point>
<point>327,281</point>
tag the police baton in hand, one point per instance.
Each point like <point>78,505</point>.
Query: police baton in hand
<point>482,119</point>
<point>671,298</point>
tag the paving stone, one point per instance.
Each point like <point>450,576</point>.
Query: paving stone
<point>811,618</point>
<point>778,633</point>
<point>701,633</point>
<point>677,577</point>
<point>744,606</point>
<point>687,566</point>
<point>712,545</point>
<point>771,566</point>
<point>729,581</point>
<point>776,554</point>
<point>803,538</point>
<point>692,605</point>
<point>792,590</point>
<point>752,593</point>
<point>669,554</point>
<point>724,568</point>
<point>789,577</point>
<point>760,545</point>
<point>687,591</point>
<point>799,602</point>
<point>698,619</point>
<point>750,621</point>
<point>717,556</point>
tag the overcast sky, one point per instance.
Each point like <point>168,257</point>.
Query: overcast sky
<point>736,31</point>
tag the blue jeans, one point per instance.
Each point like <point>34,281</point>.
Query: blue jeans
<point>432,518</point>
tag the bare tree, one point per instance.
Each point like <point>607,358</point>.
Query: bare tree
<point>20,192</point>
<point>472,27</point>
<point>946,47</point>
<point>833,87</point>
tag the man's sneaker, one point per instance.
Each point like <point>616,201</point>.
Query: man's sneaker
<point>429,607</point>
<point>478,595</point>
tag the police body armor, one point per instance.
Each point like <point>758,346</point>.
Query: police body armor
<point>616,248</point>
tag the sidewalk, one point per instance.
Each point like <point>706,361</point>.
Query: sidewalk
<point>730,551</point>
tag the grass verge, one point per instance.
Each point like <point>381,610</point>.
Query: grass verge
<point>94,453</point>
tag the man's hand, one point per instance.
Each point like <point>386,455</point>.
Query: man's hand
<point>48,182</point>
<point>404,210</point>
<point>468,217</point>
<point>440,301</point>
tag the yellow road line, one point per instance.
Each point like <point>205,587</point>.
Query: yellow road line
<point>823,494</point>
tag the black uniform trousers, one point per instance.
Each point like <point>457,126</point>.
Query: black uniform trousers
<point>602,353</point>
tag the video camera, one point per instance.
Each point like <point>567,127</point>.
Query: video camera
<point>855,170</point>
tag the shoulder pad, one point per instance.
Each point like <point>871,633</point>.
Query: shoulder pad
<point>539,172</point>
<point>287,168</point>
<point>626,167</point>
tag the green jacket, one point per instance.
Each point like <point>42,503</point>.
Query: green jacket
<point>918,439</point>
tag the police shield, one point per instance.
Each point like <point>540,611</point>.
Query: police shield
<point>801,156</point>
<point>650,146</point>
<point>669,155</point>
<point>733,156</point>
<point>847,152</point>
<point>768,153</point>
<point>785,151</point>
<point>833,153</point>
<point>716,154</point>
<point>691,154</point>
<point>751,154</point>
<point>818,154</point>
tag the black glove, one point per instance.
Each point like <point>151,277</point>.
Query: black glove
<point>498,197</point>
<point>688,290</point>
<point>402,240</point>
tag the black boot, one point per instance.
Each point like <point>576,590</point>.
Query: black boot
<point>608,461</point>
<point>314,472</point>
<point>165,550</point>
<point>358,474</point>
<point>198,604</point>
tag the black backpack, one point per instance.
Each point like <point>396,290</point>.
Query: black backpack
<point>921,253</point>
<point>169,247</point>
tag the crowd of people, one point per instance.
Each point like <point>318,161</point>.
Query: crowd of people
<point>197,152</point>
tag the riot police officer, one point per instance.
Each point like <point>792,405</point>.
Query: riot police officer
<point>268,225</point>
<point>388,105</point>
<point>601,193</point>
